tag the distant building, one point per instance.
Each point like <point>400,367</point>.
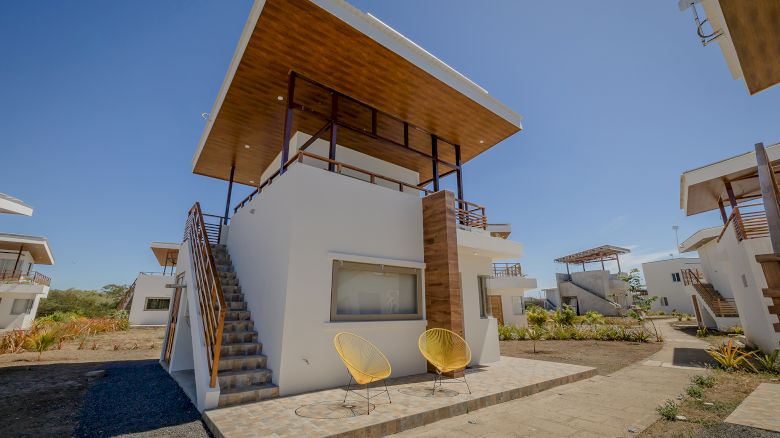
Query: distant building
<point>665,280</point>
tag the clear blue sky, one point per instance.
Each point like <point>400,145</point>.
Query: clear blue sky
<point>101,105</point>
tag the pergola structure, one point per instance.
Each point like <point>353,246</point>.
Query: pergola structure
<point>338,74</point>
<point>599,254</point>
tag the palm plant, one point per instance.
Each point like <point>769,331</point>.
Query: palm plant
<point>732,358</point>
<point>41,341</point>
<point>769,362</point>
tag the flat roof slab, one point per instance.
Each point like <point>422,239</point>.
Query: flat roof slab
<point>506,380</point>
<point>759,409</point>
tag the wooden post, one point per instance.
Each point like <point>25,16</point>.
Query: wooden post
<point>766,179</point>
<point>602,264</point>
<point>583,266</point>
<point>435,161</point>
<point>288,122</point>
<point>229,193</point>
<point>723,214</point>
<point>730,193</point>
<point>334,111</point>
<point>459,172</point>
<point>617,259</point>
<point>18,257</point>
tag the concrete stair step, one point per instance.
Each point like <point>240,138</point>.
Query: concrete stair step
<point>225,268</point>
<point>242,379</point>
<point>234,363</point>
<point>236,305</point>
<point>250,394</point>
<point>241,349</point>
<point>239,337</point>
<point>231,289</point>
<point>771,293</point>
<point>777,327</point>
<point>238,315</point>
<point>233,296</point>
<point>238,326</point>
<point>227,275</point>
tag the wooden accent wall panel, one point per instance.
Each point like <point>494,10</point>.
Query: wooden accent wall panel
<point>443,294</point>
<point>770,263</point>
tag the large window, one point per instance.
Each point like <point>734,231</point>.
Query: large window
<point>157,303</point>
<point>20,306</point>
<point>365,292</point>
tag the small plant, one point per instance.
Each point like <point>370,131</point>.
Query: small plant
<point>565,315</point>
<point>668,410</point>
<point>703,381</point>
<point>768,363</point>
<point>116,347</point>
<point>13,342</point>
<point>694,391</point>
<point>504,332</point>
<point>736,330</point>
<point>41,341</point>
<point>702,332</point>
<point>537,316</point>
<point>534,335</point>
<point>594,318</point>
<point>732,358</point>
<point>82,342</point>
<point>94,345</point>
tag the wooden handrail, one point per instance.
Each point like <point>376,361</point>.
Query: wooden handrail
<point>721,306</point>
<point>747,224</point>
<point>24,277</point>
<point>211,301</point>
<point>468,213</point>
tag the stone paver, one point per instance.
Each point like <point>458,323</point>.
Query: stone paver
<point>506,380</point>
<point>759,409</point>
<point>602,406</point>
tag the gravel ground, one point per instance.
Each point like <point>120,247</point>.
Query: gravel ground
<point>138,399</point>
<point>728,430</point>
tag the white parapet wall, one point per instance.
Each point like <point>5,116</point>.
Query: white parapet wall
<point>149,295</point>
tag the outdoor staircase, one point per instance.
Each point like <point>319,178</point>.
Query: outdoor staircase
<point>242,373</point>
<point>720,306</point>
<point>608,302</point>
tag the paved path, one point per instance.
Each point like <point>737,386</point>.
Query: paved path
<point>602,406</point>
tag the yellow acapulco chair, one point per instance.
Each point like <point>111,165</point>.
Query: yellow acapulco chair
<point>365,362</point>
<point>447,352</point>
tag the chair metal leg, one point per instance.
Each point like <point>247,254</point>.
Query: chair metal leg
<point>387,391</point>
<point>349,385</point>
<point>368,400</point>
<point>466,381</point>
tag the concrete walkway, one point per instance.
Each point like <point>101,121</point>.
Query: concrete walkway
<point>602,406</point>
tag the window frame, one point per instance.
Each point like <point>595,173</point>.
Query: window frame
<point>339,264</point>
<point>146,304</point>
<point>27,308</point>
<point>676,277</point>
<point>485,309</point>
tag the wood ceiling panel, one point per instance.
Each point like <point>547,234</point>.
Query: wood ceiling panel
<point>754,26</point>
<point>297,35</point>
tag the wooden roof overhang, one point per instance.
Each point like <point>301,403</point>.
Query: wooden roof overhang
<point>701,189</point>
<point>38,247</point>
<point>338,48</point>
<point>601,253</point>
<point>752,30</point>
<point>167,254</point>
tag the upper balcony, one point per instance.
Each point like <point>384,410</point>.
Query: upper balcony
<point>24,277</point>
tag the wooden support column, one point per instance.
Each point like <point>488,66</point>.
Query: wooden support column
<point>723,214</point>
<point>443,295</point>
<point>617,259</point>
<point>229,193</point>
<point>567,269</point>
<point>435,161</point>
<point>18,257</point>
<point>334,111</point>
<point>288,122</point>
<point>730,193</point>
<point>459,171</point>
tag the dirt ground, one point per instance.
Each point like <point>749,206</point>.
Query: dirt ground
<point>707,420</point>
<point>606,356</point>
<point>47,397</point>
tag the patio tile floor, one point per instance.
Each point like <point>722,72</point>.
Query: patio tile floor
<point>411,406</point>
<point>759,409</point>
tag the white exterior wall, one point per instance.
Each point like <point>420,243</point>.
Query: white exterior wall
<point>283,244</point>
<point>150,286</point>
<point>747,280</point>
<point>509,288</point>
<point>658,278</point>
<point>481,333</point>
<point>11,291</point>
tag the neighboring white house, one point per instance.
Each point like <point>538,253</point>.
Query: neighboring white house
<point>733,288</point>
<point>598,290</point>
<point>507,287</point>
<point>148,298</point>
<point>21,287</point>
<point>665,280</point>
<point>348,229</point>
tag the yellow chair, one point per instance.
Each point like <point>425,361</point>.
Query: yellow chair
<point>365,362</point>
<point>447,352</point>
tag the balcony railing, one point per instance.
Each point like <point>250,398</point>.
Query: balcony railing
<point>722,307</point>
<point>467,213</point>
<point>24,277</point>
<point>749,222</point>
<point>507,270</point>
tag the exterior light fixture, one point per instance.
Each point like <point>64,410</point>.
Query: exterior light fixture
<point>246,146</point>
<point>251,181</point>
<point>481,141</point>
<point>279,98</point>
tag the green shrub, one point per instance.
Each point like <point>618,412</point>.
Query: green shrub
<point>594,318</point>
<point>768,363</point>
<point>41,341</point>
<point>736,330</point>
<point>703,381</point>
<point>564,315</point>
<point>694,391</point>
<point>702,332</point>
<point>504,332</point>
<point>537,316</point>
<point>668,410</point>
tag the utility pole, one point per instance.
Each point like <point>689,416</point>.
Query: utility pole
<point>676,237</point>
